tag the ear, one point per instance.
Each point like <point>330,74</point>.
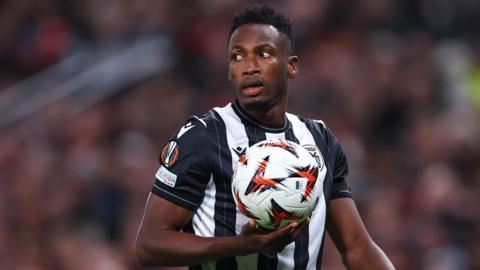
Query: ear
<point>292,66</point>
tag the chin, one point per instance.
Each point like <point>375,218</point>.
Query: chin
<point>258,104</point>
<point>261,102</point>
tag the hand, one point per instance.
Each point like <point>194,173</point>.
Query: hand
<point>258,239</point>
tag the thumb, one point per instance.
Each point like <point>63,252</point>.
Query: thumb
<point>250,227</point>
<point>286,229</point>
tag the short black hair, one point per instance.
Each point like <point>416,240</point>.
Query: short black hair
<point>263,14</point>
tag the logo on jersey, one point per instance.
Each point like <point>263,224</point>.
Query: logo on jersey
<point>184,129</point>
<point>240,151</point>
<point>170,153</point>
<point>316,154</point>
<point>165,176</point>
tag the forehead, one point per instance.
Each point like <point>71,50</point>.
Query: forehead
<point>251,34</point>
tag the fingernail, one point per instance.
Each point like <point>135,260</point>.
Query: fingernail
<point>294,225</point>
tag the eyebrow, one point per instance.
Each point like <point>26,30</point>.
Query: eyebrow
<point>261,45</point>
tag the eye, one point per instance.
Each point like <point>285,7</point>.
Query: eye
<point>264,54</point>
<point>236,57</point>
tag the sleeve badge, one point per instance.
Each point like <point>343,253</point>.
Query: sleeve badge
<point>170,153</point>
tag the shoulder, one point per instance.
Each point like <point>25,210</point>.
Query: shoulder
<point>309,122</point>
<point>317,127</point>
<point>213,116</point>
<point>189,140</point>
<point>191,128</point>
<point>191,137</point>
<point>197,127</point>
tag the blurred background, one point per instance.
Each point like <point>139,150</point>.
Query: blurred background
<point>90,91</point>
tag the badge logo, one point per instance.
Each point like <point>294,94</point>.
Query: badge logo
<point>165,176</point>
<point>170,153</point>
<point>316,154</point>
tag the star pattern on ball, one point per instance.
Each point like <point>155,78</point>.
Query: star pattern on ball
<point>259,182</point>
<point>278,214</point>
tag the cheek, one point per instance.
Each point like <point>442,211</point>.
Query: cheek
<point>231,73</point>
<point>235,69</point>
<point>276,71</point>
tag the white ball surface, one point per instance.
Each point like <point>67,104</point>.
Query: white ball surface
<point>277,182</point>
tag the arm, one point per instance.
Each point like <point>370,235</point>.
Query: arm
<point>160,241</point>
<point>352,239</point>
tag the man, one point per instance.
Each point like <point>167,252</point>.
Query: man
<point>191,218</point>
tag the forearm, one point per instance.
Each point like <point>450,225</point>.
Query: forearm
<point>160,241</point>
<point>173,248</point>
<point>368,256</point>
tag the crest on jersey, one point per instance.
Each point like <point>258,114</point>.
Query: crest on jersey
<point>316,154</point>
<point>170,153</point>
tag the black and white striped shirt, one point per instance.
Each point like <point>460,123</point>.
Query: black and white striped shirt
<point>196,170</point>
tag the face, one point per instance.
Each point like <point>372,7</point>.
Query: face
<point>259,66</point>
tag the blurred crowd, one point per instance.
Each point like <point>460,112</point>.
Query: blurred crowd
<point>398,81</point>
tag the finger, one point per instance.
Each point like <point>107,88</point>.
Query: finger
<point>284,234</point>
<point>293,225</point>
<point>296,225</point>
<point>289,228</point>
<point>298,230</point>
<point>249,227</point>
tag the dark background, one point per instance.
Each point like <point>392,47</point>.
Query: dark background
<point>90,90</point>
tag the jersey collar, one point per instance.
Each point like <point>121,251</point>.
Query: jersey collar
<point>245,116</point>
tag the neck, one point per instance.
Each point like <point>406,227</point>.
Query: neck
<point>274,115</point>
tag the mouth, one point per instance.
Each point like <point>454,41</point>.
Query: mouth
<point>252,88</point>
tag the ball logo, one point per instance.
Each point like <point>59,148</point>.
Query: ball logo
<point>316,154</point>
<point>170,154</point>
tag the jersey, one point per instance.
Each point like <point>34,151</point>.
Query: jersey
<point>196,167</point>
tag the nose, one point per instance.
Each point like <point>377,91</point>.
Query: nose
<point>251,66</point>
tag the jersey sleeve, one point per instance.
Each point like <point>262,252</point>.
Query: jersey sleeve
<point>184,166</point>
<point>340,188</point>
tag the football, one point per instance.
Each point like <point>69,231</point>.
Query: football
<point>278,181</point>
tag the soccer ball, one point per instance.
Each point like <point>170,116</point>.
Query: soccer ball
<point>278,181</point>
